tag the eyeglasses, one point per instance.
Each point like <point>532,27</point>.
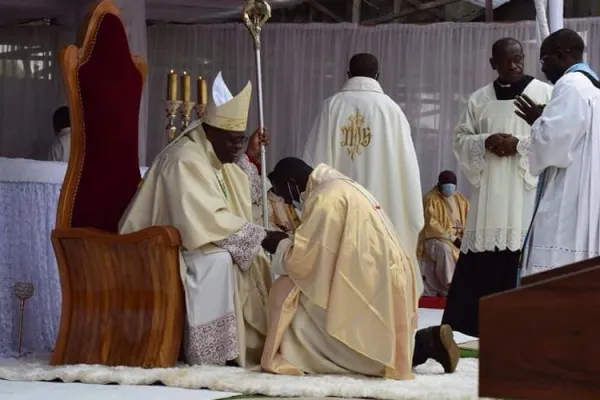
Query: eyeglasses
<point>544,59</point>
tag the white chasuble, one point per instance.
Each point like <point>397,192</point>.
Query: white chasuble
<point>364,134</point>
<point>565,148</point>
<point>224,271</point>
<point>503,190</point>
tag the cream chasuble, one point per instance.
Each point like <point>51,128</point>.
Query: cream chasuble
<point>565,147</point>
<point>346,301</point>
<point>503,190</point>
<point>224,271</point>
<point>364,134</point>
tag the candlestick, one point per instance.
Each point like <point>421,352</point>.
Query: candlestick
<point>172,86</point>
<point>171,106</point>
<point>185,111</point>
<point>202,91</point>
<point>23,291</point>
<point>186,87</point>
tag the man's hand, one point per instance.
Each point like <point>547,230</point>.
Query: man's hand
<point>508,147</point>
<point>495,140</point>
<point>259,136</point>
<point>271,241</point>
<point>527,109</point>
<point>457,243</point>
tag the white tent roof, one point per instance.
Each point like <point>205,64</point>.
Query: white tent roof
<point>199,11</point>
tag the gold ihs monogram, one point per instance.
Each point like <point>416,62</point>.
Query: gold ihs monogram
<point>355,134</point>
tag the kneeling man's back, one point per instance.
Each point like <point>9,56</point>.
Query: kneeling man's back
<point>346,301</point>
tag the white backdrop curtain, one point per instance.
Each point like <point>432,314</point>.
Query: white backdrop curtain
<point>429,70</point>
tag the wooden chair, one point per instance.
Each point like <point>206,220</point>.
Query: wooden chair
<point>541,341</point>
<point>122,297</point>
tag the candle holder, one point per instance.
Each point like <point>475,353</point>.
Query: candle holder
<point>185,111</point>
<point>23,291</point>
<point>200,109</point>
<point>171,106</point>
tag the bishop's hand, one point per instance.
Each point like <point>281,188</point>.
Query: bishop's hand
<point>258,137</point>
<point>528,109</point>
<point>272,240</point>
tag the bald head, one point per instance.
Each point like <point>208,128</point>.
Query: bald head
<point>365,65</point>
<point>559,52</point>
<point>565,40</point>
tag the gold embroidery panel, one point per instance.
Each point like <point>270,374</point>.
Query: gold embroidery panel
<point>355,134</point>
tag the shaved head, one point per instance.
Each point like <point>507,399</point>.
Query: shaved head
<point>500,47</point>
<point>365,65</point>
<point>559,52</point>
<point>566,40</point>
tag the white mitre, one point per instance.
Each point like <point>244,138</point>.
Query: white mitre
<point>226,112</point>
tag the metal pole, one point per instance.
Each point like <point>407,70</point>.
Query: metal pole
<point>255,15</point>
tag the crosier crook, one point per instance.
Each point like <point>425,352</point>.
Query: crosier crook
<point>255,15</point>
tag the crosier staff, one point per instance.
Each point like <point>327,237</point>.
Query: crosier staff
<point>255,15</point>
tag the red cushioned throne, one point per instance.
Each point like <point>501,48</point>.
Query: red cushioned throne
<point>122,298</point>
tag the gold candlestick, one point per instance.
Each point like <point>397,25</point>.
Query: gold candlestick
<point>202,91</point>
<point>172,86</point>
<point>200,108</point>
<point>185,111</point>
<point>23,291</point>
<point>186,87</point>
<point>171,106</point>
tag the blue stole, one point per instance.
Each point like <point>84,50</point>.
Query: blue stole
<point>542,181</point>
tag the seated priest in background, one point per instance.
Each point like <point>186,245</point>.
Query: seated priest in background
<point>492,145</point>
<point>564,152</point>
<point>195,186</point>
<point>364,134</point>
<point>346,300</point>
<point>439,243</point>
<point>61,146</point>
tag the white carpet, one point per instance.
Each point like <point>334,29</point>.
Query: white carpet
<point>430,382</point>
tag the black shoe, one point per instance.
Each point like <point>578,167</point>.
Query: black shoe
<point>445,349</point>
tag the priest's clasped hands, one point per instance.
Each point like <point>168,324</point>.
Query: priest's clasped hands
<point>502,144</point>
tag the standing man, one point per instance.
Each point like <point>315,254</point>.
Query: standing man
<point>61,146</point>
<point>364,134</point>
<point>491,144</point>
<point>564,153</point>
<point>439,242</point>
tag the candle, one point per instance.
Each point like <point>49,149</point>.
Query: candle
<point>186,86</point>
<point>172,86</point>
<point>202,91</point>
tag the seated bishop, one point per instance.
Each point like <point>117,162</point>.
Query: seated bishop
<point>197,184</point>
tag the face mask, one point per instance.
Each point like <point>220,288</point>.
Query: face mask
<point>297,203</point>
<point>448,189</point>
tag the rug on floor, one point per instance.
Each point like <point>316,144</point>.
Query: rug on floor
<point>430,381</point>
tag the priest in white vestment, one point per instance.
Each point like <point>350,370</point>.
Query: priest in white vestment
<point>195,186</point>
<point>346,301</point>
<point>364,134</point>
<point>491,145</point>
<point>564,152</point>
<point>61,146</point>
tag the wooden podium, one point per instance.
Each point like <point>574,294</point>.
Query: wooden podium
<point>542,341</point>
